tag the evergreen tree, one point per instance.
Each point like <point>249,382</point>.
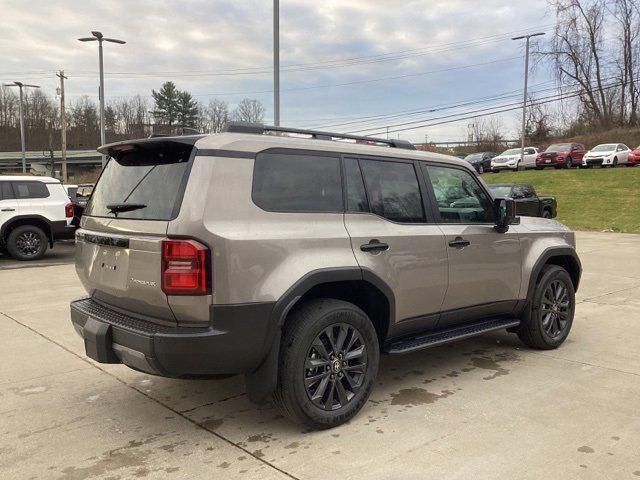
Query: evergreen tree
<point>167,103</point>
<point>187,110</point>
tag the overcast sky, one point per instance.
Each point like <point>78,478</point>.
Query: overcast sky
<point>421,54</point>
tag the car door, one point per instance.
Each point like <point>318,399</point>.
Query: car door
<point>623,154</point>
<point>484,265</point>
<point>577,152</point>
<point>523,204</point>
<point>393,238</point>
<point>530,200</point>
<point>9,207</point>
<point>530,155</point>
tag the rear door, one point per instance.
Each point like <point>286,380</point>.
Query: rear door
<point>393,237</point>
<point>118,254</point>
<point>9,207</point>
<point>484,265</point>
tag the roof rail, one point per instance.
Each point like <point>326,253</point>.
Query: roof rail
<point>259,129</point>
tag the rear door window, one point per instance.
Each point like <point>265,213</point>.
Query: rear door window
<point>297,182</point>
<point>6,193</point>
<point>25,190</point>
<point>393,190</point>
<point>153,178</point>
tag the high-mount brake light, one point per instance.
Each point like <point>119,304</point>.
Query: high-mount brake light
<point>186,268</point>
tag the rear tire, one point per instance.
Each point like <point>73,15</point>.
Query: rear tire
<point>27,242</point>
<point>481,169</point>
<point>547,322</point>
<point>340,343</point>
<point>546,213</point>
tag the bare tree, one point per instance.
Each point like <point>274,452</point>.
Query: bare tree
<point>577,50</point>
<point>626,12</point>
<point>249,110</point>
<point>487,133</point>
<point>215,116</point>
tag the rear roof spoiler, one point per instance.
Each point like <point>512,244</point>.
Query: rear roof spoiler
<point>114,149</point>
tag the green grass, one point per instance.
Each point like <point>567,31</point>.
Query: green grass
<point>595,199</point>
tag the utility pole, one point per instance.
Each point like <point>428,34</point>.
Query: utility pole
<point>63,126</point>
<point>97,36</point>
<point>21,85</point>
<point>524,100</point>
<point>276,62</point>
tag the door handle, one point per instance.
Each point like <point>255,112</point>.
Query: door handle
<point>8,210</point>
<point>459,242</point>
<point>374,245</point>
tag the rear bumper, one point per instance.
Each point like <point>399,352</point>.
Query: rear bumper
<point>236,342</point>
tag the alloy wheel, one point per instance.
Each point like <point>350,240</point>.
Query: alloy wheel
<point>335,366</point>
<point>28,244</point>
<point>555,309</point>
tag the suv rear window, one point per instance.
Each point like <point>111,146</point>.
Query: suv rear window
<point>154,177</point>
<point>297,183</point>
<point>30,190</point>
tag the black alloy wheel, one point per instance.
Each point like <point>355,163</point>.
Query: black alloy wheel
<point>335,367</point>
<point>555,309</point>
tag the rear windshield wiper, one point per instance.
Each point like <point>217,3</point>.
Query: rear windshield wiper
<point>125,207</point>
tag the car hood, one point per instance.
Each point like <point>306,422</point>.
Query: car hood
<point>599,154</point>
<point>539,224</point>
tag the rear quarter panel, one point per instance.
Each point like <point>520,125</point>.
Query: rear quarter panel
<point>257,255</point>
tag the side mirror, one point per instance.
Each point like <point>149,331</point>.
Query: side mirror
<point>505,214</point>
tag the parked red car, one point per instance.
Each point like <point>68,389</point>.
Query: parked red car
<point>634,157</point>
<point>561,155</point>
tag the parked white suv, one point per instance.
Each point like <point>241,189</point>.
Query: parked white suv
<point>510,159</point>
<point>34,213</point>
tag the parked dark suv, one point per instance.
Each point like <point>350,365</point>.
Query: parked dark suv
<point>297,260</point>
<point>481,161</point>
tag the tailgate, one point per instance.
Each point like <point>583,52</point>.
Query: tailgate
<point>120,265</point>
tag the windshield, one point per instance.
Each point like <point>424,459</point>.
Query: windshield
<point>500,191</point>
<point>152,178</point>
<point>511,151</point>
<point>559,147</point>
<point>607,147</point>
<point>474,156</point>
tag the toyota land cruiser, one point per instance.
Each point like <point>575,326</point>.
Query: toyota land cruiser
<point>298,257</point>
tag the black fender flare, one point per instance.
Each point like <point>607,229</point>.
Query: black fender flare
<point>547,254</point>
<point>262,382</point>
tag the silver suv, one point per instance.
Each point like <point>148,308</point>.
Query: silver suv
<point>297,257</point>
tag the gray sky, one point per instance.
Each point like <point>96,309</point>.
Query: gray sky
<point>421,54</point>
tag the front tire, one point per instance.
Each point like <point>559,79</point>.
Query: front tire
<point>328,363</point>
<point>27,242</point>
<point>568,163</point>
<point>547,322</point>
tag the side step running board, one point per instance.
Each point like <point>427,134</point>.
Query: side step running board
<point>434,339</point>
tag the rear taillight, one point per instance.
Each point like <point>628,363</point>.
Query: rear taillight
<point>186,268</point>
<point>68,210</point>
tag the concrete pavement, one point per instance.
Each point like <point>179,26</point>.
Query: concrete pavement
<point>484,408</point>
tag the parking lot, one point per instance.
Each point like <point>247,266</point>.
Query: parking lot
<point>482,408</point>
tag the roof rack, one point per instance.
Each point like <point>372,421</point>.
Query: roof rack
<point>260,129</point>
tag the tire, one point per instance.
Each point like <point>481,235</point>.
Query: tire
<point>568,164</point>
<point>313,324</point>
<point>544,329</point>
<point>615,163</point>
<point>27,242</point>
<point>539,168</point>
<point>546,213</point>
<point>481,169</point>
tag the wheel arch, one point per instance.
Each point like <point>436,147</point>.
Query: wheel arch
<point>359,286</point>
<point>19,220</point>
<point>564,257</point>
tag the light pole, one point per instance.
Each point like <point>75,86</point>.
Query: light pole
<point>524,101</point>
<point>276,62</point>
<point>98,37</point>
<point>21,85</point>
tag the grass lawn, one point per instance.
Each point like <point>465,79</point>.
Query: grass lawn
<point>595,199</point>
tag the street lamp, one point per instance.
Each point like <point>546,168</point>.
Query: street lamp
<point>524,101</point>
<point>276,62</point>
<point>98,37</point>
<point>21,85</point>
